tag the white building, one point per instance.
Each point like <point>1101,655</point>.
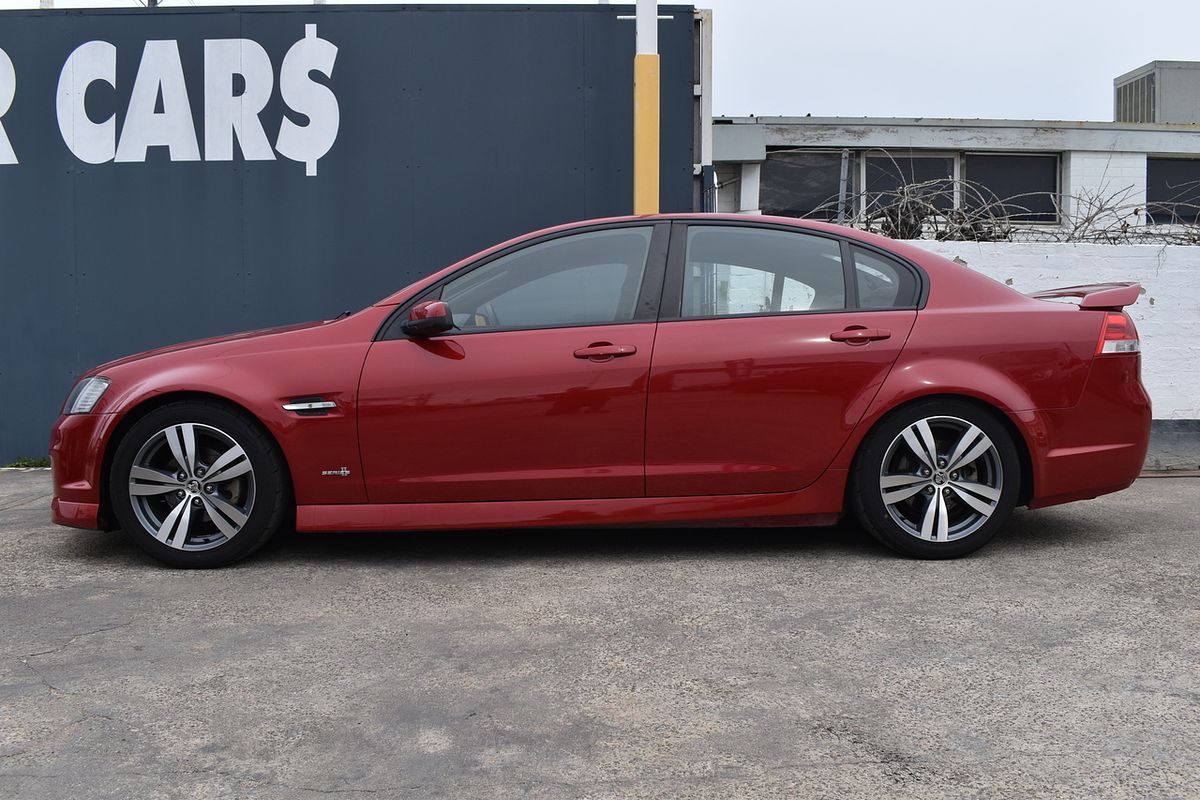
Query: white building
<point>792,166</point>
<point>798,166</point>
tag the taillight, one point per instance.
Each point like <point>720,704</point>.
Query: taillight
<point>1119,335</point>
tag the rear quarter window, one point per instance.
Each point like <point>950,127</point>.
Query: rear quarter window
<point>882,282</point>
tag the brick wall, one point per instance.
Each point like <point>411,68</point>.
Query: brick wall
<point>1091,173</point>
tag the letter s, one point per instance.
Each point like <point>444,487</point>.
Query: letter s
<point>305,96</point>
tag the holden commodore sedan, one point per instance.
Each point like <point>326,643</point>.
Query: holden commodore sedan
<point>635,371</point>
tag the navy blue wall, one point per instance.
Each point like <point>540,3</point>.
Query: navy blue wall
<point>459,126</point>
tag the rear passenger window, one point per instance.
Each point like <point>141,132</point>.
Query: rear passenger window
<point>882,283</point>
<point>737,271</point>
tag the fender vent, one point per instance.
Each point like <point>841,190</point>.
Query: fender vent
<point>312,406</point>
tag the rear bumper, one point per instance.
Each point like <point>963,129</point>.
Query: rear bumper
<point>1095,448</point>
<point>76,459</point>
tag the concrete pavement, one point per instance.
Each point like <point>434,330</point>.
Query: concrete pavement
<point>1061,661</point>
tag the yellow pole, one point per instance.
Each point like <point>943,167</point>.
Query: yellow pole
<point>646,110</point>
<point>645,133</point>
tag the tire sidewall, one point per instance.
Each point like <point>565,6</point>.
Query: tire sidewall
<point>868,500</point>
<point>270,493</point>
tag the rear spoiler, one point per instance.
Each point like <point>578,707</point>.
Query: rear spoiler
<point>1112,296</point>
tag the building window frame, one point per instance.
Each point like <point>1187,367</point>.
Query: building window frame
<point>1059,212</point>
<point>1154,207</point>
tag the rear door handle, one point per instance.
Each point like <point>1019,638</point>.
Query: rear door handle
<point>860,335</point>
<point>603,351</point>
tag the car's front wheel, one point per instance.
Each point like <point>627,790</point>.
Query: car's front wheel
<point>198,484</point>
<point>937,479</point>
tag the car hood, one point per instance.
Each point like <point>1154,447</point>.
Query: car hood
<point>232,337</point>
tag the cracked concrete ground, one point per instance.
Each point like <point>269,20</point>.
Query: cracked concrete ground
<point>1062,661</point>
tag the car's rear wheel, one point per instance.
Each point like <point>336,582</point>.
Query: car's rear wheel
<point>198,484</point>
<point>937,479</point>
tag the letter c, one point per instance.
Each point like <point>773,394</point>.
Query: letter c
<point>91,142</point>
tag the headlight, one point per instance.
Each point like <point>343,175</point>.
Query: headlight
<point>85,395</point>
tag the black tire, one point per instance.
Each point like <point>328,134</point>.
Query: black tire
<point>885,442</point>
<point>270,498</point>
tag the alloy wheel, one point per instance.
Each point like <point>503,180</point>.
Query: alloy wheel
<point>192,486</point>
<point>941,479</point>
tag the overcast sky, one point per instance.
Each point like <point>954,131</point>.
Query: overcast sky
<point>1016,59</point>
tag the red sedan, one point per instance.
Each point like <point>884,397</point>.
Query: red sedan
<point>634,371</point>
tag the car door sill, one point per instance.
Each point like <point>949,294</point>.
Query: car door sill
<point>820,503</point>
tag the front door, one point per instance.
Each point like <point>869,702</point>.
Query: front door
<point>767,355</point>
<point>540,394</point>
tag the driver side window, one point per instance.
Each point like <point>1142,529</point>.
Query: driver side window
<point>584,279</point>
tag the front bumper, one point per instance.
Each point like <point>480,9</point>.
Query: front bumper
<point>75,515</point>
<point>77,460</point>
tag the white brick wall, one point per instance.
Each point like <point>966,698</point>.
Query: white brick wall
<point>1106,175</point>
<point>1167,316</point>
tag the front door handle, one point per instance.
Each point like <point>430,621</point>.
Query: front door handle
<point>860,335</point>
<point>603,351</point>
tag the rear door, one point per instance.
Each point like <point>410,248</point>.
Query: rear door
<point>541,392</point>
<point>771,344</point>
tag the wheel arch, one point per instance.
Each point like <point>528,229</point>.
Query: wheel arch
<point>993,409</point>
<point>145,406</point>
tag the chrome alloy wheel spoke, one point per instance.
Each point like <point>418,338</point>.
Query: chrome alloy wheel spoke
<point>983,499</point>
<point>971,446</point>
<point>901,487</point>
<point>182,441</point>
<point>232,463</point>
<point>145,481</point>
<point>175,526</point>
<point>920,440</point>
<point>935,526</point>
<point>228,518</point>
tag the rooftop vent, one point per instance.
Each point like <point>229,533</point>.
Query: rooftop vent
<point>1159,92</point>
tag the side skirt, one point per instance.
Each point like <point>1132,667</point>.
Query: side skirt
<point>820,503</point>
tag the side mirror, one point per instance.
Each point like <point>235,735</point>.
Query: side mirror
<point>428,318</point>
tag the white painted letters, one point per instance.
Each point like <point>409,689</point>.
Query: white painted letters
<point>314,100</point>
<point>159,113</point>
<point>159,73</point>
<point>8,90</point>
<point>91,142</point>
<point>227,116</point>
